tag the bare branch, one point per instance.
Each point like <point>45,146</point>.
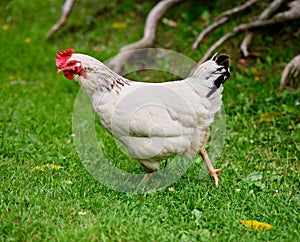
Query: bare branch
<point>238,9</point>
<point>151,25</point>
<point>291,14</point>
<point>245,44</point>
<point>292,69</point>
<point>67,7</point>
<point>270,9</point>
<point>212,49</point>
<point>208,29</point>
<point>223,18</point>
<point>264,15</point>
<point>148,39</point>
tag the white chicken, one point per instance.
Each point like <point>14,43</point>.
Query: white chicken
<point>154,121</point>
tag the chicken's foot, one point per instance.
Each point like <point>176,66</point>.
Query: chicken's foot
<point>212,171</point>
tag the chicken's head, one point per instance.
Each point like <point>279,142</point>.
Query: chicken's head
<point>66,65</point>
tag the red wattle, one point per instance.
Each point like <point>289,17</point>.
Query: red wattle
<point>69,75</point>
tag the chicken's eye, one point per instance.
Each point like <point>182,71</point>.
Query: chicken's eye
<point>71,63</point>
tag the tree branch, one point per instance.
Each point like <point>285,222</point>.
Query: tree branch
<point>148,39</point>
<point>291,14</point>
<point>264,15</point>
<point>291,69</point>
<point>238,9</point>
<point>67,7</point>
<point>208,29</point>
<point>223,18</point>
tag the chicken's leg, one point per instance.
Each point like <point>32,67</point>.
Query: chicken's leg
<point>148,175</point>
<point>146,178</point>
<point>212,171</point>
<point>149,166</point>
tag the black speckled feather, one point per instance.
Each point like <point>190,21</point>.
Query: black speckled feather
<point>223,62</point>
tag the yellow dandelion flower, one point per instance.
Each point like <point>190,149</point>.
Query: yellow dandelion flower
<point>11,77</point>
<point>119,25</point>
<point>5,26</point>
<point>27,40</point>
<point>267,117</point>
<point>253,224</point>
<point>55,167</point>
<point>43,167</point>
<point>68,182</point>
<point>81,213</point>
<point>256,79</point>
<point>39,168</point>
<point>34,168</point>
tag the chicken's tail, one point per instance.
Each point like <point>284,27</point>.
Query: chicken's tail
<point>223,73</point>
<point>209,77</point>
<point>213,73</point>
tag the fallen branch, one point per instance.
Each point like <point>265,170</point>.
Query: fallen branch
<point>238,9</point>
<point>291,14</point>
<point>264,15</point>
<point>208,29</point>
<point>245,44</point>
<point>223,18</point>
<point>148,39</point>
<point>67,7</point>
<point>292,70</point>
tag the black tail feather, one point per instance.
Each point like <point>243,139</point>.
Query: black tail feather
<point>223,61</point>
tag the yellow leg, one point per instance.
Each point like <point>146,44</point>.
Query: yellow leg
<point>146,177</point>
<point>212,171</point>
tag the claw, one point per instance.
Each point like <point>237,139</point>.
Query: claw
<point>214,176</point>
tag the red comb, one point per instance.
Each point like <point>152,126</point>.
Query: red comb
<point>63,56</point>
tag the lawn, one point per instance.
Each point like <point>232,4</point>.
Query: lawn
<point>46,194</point>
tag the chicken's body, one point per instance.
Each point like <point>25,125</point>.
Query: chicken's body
<point>155,121</point>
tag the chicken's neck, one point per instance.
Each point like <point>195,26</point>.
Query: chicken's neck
<point>100,78</point>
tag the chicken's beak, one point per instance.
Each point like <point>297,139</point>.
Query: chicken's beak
<point>59,71</point>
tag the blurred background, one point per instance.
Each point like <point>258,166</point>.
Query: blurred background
<point>62,201</point>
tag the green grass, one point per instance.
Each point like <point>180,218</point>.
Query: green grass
<point>263,133</point>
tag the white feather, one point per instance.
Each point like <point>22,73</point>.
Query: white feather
<point>154,121</point>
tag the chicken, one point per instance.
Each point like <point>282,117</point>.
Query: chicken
<point>155,121</point>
